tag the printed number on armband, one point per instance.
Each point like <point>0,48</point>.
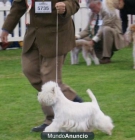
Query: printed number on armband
<point>43,7</point>
<point>40,8</point>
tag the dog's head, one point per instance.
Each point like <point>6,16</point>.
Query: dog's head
<point>130,33</point>
<point>48,95</point>
<point>132,27</point>
<point>106,124</point>
<point>103,122</point>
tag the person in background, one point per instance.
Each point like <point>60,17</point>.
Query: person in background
<point>97,45</point>
<point>109,32</point>
<point>39,45</point>
<point>126,7</point>
<point>8,45</point>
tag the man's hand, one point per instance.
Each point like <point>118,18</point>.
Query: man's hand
<point>91,43</point>
<point>88,44</point>
<point>60,7</point>
<point>4,36</point>
<point>77,37</point>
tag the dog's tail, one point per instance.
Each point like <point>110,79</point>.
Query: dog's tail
<point>93,98</point>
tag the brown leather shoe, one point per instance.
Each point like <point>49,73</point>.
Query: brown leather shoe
<point>105,60</point>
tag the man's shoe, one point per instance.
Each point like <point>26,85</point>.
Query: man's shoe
<point>39,128</point>
<point>77,99</point>
<point>105,60</point>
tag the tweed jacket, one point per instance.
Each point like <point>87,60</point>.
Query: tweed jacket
<point>42,27</point>
<point>112,21</point>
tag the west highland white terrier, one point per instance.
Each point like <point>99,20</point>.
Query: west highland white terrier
<point>71,116</point>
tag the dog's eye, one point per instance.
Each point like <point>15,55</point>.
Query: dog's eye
<point>53,90</point>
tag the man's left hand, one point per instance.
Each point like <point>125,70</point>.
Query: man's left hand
<point>60,7</point>
<point>91,43</point>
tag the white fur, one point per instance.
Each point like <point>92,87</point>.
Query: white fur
<point>87,52</point>
<point>72,116</point>
<point>130,36</point>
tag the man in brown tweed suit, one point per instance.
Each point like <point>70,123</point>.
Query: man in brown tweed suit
<point>109,32</point>
<point>39,50</point>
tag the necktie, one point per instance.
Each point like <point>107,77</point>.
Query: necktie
<point>96,25</point>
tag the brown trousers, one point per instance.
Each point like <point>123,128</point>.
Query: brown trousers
<point>108,45</point>
<point>40,70</point>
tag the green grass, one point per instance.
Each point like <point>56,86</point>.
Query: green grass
<point>113,84</point>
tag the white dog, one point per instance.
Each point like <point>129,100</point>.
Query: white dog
<point>130,36</point>
<point>88,52</point>
<point>72,116</point>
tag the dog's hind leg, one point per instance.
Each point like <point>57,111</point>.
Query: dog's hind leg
<point>86,57</point>
<point>94,57</point>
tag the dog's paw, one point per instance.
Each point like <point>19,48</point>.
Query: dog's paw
<point>88,62</point>
<point>97,62</point>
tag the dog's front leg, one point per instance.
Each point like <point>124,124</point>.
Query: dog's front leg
<point>86,56</point>
<point>94,57</point>
<point>53,127</point>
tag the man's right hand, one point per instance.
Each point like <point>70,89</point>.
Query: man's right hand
<point>4,36</point>
<point>77,37</point>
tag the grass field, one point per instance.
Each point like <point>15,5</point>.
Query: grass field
<point>113,85</point>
